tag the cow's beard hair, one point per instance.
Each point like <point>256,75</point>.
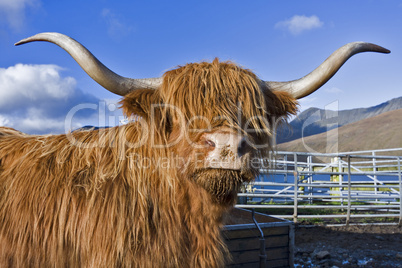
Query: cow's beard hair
<point>223,184</point>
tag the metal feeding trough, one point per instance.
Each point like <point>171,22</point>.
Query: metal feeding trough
<point>258,240</point>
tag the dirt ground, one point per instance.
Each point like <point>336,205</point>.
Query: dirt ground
<point>348,246</point>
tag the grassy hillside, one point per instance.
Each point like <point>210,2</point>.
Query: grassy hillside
<point>378,132</point>
<point>314,121</point>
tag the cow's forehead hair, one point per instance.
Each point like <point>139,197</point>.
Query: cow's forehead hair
<point>215,90</point>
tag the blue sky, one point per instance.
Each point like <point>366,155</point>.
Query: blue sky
<point>278,40</point>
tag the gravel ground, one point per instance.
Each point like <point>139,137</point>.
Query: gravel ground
<point>348,246</point>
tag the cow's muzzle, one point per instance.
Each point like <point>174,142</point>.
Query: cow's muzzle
<point>230,151</point>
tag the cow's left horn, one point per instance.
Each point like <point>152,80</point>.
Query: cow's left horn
<point>93,67</point>
<point>314,80</point>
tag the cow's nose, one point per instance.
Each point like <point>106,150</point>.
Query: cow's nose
<point>243,147</point>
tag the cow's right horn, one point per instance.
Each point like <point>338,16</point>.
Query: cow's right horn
<point>93,67</point>
<point>308,84</point>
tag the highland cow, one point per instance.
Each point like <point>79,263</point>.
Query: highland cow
<point>151,193</point>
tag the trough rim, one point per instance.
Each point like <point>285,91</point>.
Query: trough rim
<point>244,226</point>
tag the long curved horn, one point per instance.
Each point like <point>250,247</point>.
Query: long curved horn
<point>308,84</point>
<point>93,67</point>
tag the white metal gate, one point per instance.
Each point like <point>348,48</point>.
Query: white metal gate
<point>364,184</point>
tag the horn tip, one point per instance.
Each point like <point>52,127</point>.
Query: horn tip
<point>26,40</point>
<point>380,49</point>
<point>21,42</point>
<point>45,36</point>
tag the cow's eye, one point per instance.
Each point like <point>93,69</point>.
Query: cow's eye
<point>210,143</point>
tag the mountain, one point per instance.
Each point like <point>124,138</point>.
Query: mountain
<point>383,131</point>
<point>314,121</point>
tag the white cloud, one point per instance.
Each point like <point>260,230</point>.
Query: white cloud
<point>38,124</point>
<point>4,121</point>
<point>115,27</point>
<point>300,23</point>
<point>333,90</point>
<point>36,99</point>
<point>307,102</point>
<point>33,83</point>
<point>12,12</point>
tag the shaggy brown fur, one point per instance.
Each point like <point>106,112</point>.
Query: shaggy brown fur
<point>113,197</point>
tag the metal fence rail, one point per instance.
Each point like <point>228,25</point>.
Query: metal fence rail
<point>346,185</point>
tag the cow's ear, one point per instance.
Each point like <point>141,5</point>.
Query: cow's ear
<point>139,102</point>
<point>281,104</point>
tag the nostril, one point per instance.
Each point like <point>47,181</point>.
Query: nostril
<point>243,148</point>
<point>210,143</point>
